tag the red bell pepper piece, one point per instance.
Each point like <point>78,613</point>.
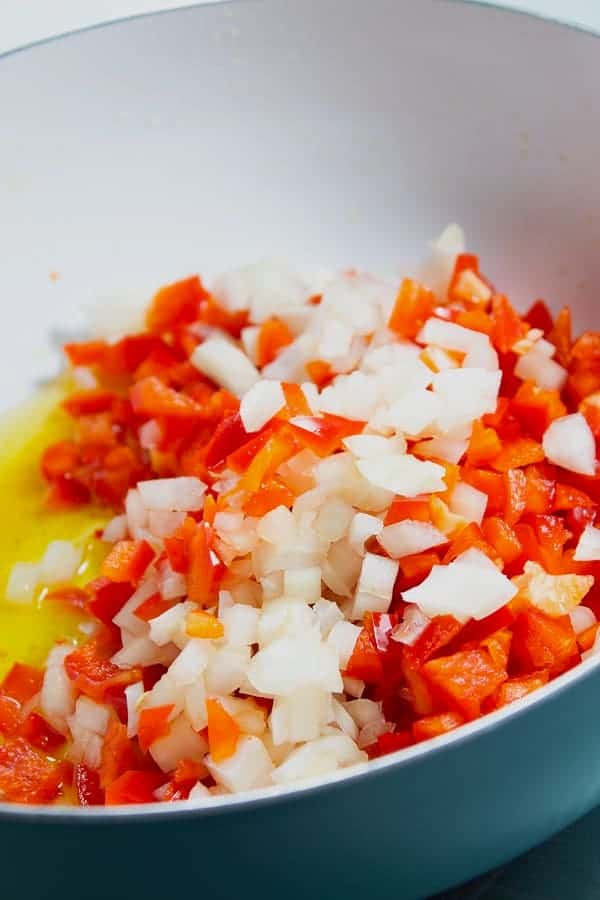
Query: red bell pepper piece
<point>561,336</point>
<point>22,682</point>
<point>516,688</point>
<point>323,434</point>
<point>127,561</point>
<point>85,403</point>
<point>151,398</point>
<point>175,305</point>
<point>520,452</point>
<point>27,775</point>
<point>502,538</point>
<point>469,536</point>
<point>535,408</point>
<point>272,493</point>
<point>491,483</point>
<point>401,509</point>
<point>177,547</point>
<point>434,726</point>
<point>87,786</point>
<point>118,754</point>
<point>202,571</point>
<point>543,642</point>
<point>152,607</point>
<point>508,326</point>
<point>319,372</point>
<point>539,316</point>
<point>10,715</point>
<point>515,492</point>
<point>392,741</point>
<point>93,673</point>
<point>484,445</point>
<point>365,662</point>
<point>153,723</point>
<point>223,731</point>
<point>41,734</point>
<point>106,598</point>
<point>273,336</point>
<point>134,787</point>
<point>86,353</point>
<point>539,490</point>
<point>414,305</point>
<point>465,679</point>
<point>228,437</point>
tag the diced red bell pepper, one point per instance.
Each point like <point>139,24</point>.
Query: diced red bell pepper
<point>465,679</point>
<point>189,770</point>
<point>127,561</point>
<point>153,724</point>
<point>134,787</point>
<point>539,316</point>
<point>118,754</point>
<point>402,509</point>
<point>365,662</point>
<point>484,445</point>
<point>273,493</point>
<point>414,305</point>
<point>84,403</point>
<point>212,313</point>
<point>502,538</point>
<point>590,408</point>
<point>503,420</point>
<point>539,490</point>
<point>152,607</point>
<point>280,447</point>
<point>106,598</point>
<point>469,536</point>
<point>464,262</point>
<point>71,596</point>
<point>419,691</point>
<point>392,741</point>
<point>535,408</point>
<point>476,631</point>
<point>59,459</point>
<point>561,336</point>
<point>87,786</point>
<point>175,305</point>
<point>93,673</point>
<point>587,638</point>
<point>415,568</point>
<point>516,688</point>
<point>41,734</point>
<point>296,403</point>
<point>22,682</point>
<point>520,452</point>
<point>273,336</point>
<point>552,537</point>
<point>475,319</point>
<point>86,353</point>
<point>508,326</point>
<point>177,547</point>
<point>568,497</point>
<point>491,483</point>
<point>27,775</point>
<point>223,731</point>
<point>152,399</point>
<point>515,493</point>
<point>10,715</point>
<point>498,646</point>
<point>440,632</point>
<point>323,434</point>
<point>230,434</point>
<point>434,726</point>
<point>202,571</point>
<point>319,372</point>
<point>543,642</point>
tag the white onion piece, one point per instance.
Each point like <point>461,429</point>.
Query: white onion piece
<point>344,720</point>
<point>477,347</point>
<point>60,562</point>
<point>23,582</point>
<point>241,625</point>
<point>468,502</point>
<point>582,617</point>
<point>136,512</point>
<point>295,661</point>
<point>249,767</point>
<point>228,366</point>
<point>413,624</point>
<point>300,715</point>
<point>537,367</point>
<point>57,697</point>
<point>378,576</point>
<point>365,712</point>
<point>329,614</point>
<point>150,434</point>
<point>408,537</point>
<point>317,758</point>
<point>116,530</point>
<point>162,522</point>
<point>133,695</point>
<point>260,404</point>
<point>367,446</point>
<point>465,395</point>
<point>182,494</point>
<point>92,716</point>
<point>363,527</point>
<point>182,742</point>
<point>343,636</point>
<point>403,475</point>
<point>569,442</point>
<point>249,339</point>
<point>588,546</point>
<point>305,584</point>
<point>471,587</point>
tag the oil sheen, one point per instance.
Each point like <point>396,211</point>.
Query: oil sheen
<point>28,630</point>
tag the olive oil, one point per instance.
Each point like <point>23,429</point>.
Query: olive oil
<point>28,631</point>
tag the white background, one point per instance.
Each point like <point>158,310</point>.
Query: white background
<point>22,21</point>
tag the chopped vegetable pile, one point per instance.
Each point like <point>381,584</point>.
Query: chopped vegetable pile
<point>348,517</point>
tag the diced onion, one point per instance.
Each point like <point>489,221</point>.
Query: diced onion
<point>588,546</point>
<point>260,404</point>
<point>226,364</point>
<point>569,442</point>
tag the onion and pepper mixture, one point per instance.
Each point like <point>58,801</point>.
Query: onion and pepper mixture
<point>348,517</point>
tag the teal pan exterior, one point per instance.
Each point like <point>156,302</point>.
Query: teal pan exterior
<point>404,830</point>
<point>419,111</point>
